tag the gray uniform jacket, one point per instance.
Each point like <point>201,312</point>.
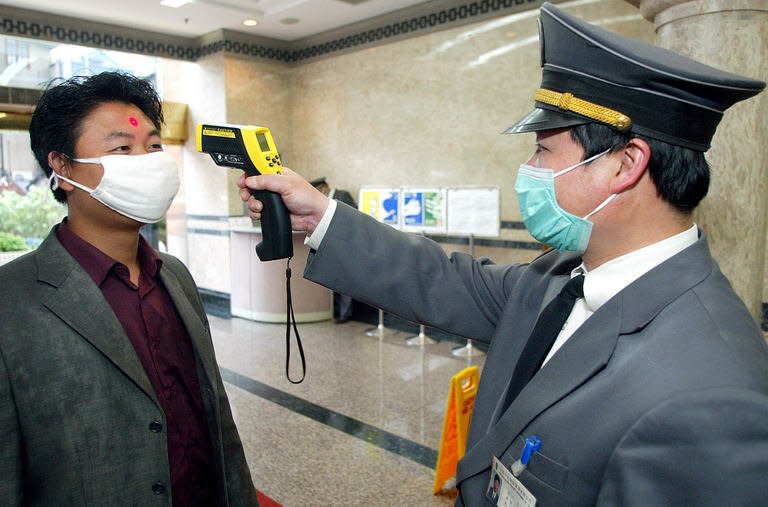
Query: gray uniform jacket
<point>659,398</point>
<point>75,403</point>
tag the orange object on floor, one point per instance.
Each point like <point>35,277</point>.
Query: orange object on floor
<point>458,412</point>
<point>265,501</point>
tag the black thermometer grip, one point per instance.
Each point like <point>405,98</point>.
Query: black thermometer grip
<point>275,227</point>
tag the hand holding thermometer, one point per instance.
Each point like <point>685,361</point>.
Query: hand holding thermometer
<point>253,150</point>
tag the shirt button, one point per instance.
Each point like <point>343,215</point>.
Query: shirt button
<point>155,427</point>
<point>158,488</point>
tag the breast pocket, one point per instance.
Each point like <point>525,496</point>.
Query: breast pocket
<point>542,473</point>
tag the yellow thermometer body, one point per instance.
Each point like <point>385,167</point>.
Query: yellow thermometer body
<point>253,150</point>
<point>247,147</point>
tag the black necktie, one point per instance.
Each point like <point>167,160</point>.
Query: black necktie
<point>543,336</point>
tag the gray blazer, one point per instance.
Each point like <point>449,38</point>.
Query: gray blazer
<point>660,398</point>
<point>75,403</point>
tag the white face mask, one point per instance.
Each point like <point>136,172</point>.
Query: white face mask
<point>140,187</point>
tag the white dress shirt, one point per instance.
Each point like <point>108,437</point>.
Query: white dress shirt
<point>313,241</point>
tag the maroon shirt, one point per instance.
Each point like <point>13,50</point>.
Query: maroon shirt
<point>158,335</point>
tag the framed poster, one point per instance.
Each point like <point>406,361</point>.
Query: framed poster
<point>383,204</point>
<point>423,209</point>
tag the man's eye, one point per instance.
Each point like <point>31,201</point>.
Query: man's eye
<point>122,149</point>
<point>156,147</point>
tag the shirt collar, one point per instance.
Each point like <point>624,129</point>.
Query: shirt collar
<point>96,263</point>
<point>607,280</point>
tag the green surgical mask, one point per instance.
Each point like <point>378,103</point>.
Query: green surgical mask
<point>543,216</point>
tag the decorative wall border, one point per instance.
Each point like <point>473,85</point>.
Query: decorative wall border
<point>397,25</point>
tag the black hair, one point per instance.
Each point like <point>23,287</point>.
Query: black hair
<point>57,120</point>
<point>681,175</point>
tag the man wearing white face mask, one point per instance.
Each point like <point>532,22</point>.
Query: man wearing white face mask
<point>622,369</point>
<point>109,388</point>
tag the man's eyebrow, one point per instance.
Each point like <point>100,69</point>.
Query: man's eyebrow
<point>122,134</point>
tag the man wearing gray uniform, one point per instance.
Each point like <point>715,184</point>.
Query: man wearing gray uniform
<point>654,391</point>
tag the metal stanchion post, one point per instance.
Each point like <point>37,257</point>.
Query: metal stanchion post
<point>421,338</point>
<point>468,350</point>
<point>379,330</point>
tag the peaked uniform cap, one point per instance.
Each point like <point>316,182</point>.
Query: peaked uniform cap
<point>593,75</point>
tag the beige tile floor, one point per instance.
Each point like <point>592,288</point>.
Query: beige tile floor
<point>364,395</point>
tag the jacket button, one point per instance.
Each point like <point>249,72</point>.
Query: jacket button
<point>155,427</point>
<point>158,488</point>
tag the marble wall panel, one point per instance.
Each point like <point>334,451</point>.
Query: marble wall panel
<point>258,93</point>
<point>208,260</point>
<point>204,194</point>
<point>430,110</point>
<point>734,211</point>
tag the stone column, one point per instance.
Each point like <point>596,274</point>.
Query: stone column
<point>731,35</point>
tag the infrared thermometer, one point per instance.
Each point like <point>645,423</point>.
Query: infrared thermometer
<point>253,150</point>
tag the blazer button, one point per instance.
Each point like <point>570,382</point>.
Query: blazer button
<point>155,427</point>
<point>158,488</point>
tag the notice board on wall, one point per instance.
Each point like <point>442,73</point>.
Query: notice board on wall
<point>473,210</point>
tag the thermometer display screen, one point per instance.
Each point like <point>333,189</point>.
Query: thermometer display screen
<point>263,144</point>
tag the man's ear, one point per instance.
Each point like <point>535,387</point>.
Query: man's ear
<point>635,157</point>
<point>59,164</point>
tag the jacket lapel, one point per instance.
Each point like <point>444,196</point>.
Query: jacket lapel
<point>581,357</point>
<point>590,348</point>
<point>78,302</point>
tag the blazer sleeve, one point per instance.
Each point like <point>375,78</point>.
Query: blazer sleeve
<point>705,448</point>
<point>10,449</point>
<point>410,275</point>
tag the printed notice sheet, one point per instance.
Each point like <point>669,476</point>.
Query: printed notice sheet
<point>474,210</point>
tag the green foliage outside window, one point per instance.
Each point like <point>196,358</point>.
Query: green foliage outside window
<point>30,216</point>
<point>12,243</point>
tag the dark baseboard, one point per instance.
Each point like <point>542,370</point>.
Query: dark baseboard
<point>764,323</point>
<point>216,303</point>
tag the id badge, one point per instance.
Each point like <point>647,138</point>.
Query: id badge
<point>505,490</point>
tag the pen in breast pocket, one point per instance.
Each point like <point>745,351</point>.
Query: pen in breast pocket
<point>532,444</point>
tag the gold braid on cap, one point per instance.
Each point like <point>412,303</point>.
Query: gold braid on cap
<point>568,102</point>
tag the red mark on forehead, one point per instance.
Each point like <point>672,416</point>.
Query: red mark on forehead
<point>133,121</point>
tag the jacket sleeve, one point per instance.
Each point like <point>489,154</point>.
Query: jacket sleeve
<point>10,449</point>
<point>705,448</point>
<point>410,275</point>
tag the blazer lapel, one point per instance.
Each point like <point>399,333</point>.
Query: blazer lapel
<point>590,348</point>
<point>581,357</point>
<point>80,304</point>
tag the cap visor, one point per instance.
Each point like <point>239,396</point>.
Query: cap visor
<point>545,119</point>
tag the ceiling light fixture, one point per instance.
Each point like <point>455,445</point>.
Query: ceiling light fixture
<point>175,3</point>
<point>250,22</point>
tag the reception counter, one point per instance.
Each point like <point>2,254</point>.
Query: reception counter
<point>258,288</point>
